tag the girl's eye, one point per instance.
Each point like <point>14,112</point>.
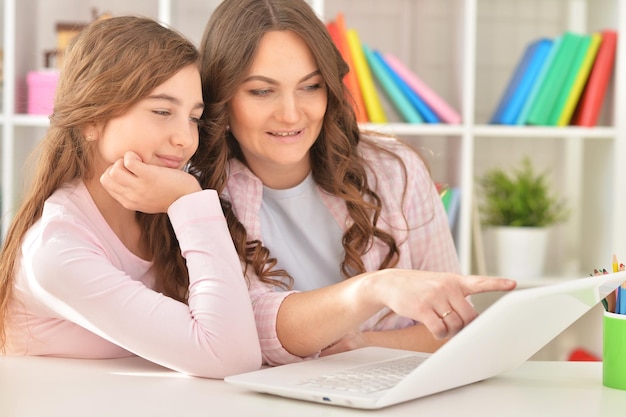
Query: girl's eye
<point>194,119</point>
<point>162,112</point>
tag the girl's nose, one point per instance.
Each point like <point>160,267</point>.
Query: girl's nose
<point>185,134</point>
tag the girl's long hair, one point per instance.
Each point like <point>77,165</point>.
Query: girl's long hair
<point>111,65</point>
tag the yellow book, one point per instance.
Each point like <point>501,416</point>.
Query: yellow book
<point>375,111</point>
<point>580,81</point>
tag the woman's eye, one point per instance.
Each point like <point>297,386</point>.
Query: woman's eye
<point>162,112</point>
<point>313,87</point>
<point>195,120</point>
<point>261,92</point>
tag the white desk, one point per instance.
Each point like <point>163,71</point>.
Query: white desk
<point>50,387</point>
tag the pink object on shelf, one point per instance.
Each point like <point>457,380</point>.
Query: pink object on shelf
<point>41,88</point>
<point>436,103</point>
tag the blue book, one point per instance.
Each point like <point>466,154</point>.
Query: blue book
<point>520,85</point>
<point>532,96</point>
<point>420,105</point>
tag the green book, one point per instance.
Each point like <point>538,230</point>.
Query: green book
<point>554,80</point>
<point>446,196</point>
<point>572,74</point>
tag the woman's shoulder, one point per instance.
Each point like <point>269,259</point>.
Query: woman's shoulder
<point>242,186</point>
<point>389,152</point>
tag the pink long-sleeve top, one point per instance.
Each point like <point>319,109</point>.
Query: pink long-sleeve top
<point>80,293</point>
<point>425,241</point>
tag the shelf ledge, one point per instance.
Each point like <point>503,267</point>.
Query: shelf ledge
<point>29,120</point>
<point>405,129</point>
<point>544,131</point>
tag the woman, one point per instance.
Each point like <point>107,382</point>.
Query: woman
<point>351,221</point>
<point>86,272</point>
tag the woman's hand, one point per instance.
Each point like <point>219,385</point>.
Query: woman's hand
<point>146,188</point>
<point>326,315</point>
<point>436,299</point>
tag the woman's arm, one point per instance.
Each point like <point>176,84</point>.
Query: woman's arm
<point>415,337</point>
<point>310,321</point>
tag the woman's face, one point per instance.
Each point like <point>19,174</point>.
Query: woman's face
<point>276,114</point>
<point>161,128</point>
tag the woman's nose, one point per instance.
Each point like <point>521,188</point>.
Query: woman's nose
<point>288,111</point>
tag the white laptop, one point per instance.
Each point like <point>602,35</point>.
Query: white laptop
<point>501,338</point>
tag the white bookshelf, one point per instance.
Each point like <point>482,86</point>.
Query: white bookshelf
<point>464,49</point>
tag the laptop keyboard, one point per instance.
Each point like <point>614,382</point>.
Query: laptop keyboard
<point>369,378</point>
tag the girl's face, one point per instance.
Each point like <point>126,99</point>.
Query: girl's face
<point>276,114</point>
<point>161,128</point>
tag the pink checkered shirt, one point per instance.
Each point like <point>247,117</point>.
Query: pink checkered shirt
<point>426,244</point>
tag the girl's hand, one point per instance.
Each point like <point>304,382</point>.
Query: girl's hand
<point>146,188</point>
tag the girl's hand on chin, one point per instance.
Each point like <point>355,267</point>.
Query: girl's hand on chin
<point>146,188</point>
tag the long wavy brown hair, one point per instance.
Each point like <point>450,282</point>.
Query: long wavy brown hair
<point>110,66</point>
<point>228,47</point>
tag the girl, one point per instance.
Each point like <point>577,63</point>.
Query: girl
<point>86,271</point>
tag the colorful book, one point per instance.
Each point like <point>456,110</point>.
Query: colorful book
<point>351,81</point>
<point>333,31</point>
<point>434,101</point>
<point>375,111</point>
<point>426,112</point>
<point>520,85</point>
<point>532,95</point>
<point>580,79</point>
<point>445,194</point>
<point>399,100</point>
<point>452,206</point>
<point>570,76</point>
<point>590,103</point>
<point>555,79</point>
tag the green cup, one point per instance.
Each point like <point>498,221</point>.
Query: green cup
<point>614,351</point>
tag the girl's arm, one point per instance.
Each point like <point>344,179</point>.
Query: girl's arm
<point>213,336</point>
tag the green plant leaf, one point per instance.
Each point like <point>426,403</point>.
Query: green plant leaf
<point>520,198</point>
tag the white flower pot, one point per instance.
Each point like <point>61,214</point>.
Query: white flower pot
<point>520,251</point>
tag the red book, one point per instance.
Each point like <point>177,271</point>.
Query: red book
<point>350,80</point>
<point>334,34</point>
<point>591,101</point>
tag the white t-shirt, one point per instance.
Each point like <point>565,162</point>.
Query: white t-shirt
<point>302,235</point>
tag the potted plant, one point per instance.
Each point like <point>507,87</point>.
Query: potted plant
<point>520,206</point>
